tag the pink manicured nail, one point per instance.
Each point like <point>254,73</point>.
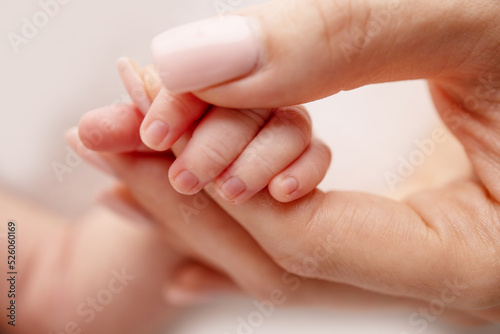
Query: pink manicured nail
<point>154,135</point>
<point>205,53</point>
<point>231,189</point>
<point>185,182</point>
<point>91,157</point>
<point>133,84</point>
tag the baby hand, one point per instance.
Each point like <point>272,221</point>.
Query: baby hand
<point>242,151</point>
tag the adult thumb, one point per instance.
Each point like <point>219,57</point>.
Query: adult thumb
<point>295,51</point>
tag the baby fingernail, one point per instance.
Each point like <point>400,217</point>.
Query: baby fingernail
<point>290,185</point>
<point>205,53</point>
<point>185,182</point>
<point>231,189</point>
<point>154,135</point>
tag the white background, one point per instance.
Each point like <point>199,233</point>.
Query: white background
<point>68,68</point>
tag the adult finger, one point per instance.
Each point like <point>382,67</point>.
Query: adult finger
<point>415,249</point>
<point>290,52</point>
<point>216,239</point>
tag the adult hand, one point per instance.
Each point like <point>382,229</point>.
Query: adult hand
<point>439,245</point>
<point>289,52</point>
<point>208,231</point>
<point>215,238</point>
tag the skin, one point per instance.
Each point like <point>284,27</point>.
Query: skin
<point>180,275</point>
<point>61,264</point>
<point>376,251</point>
<point>168,274</point>
<point>411,248</point>
<point>58,271</point>
<point>222,243</point>
<point>244,144</point>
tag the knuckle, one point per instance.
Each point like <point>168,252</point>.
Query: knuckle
<point>215,154</point>
<point>255,118</point>
<point>257,153</point>
<point>297,120</point>
<point>260,159</point>
<point>183,104</point>
<point>180,103</point>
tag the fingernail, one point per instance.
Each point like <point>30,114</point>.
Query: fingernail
<point>185,182</point>
<point>123,209</point>
<point>231,189</point>
<point>205,53</point>
<point>91,157</point>
<point>129,72</point>
<point>290,185</point>
<point>155,134</point>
